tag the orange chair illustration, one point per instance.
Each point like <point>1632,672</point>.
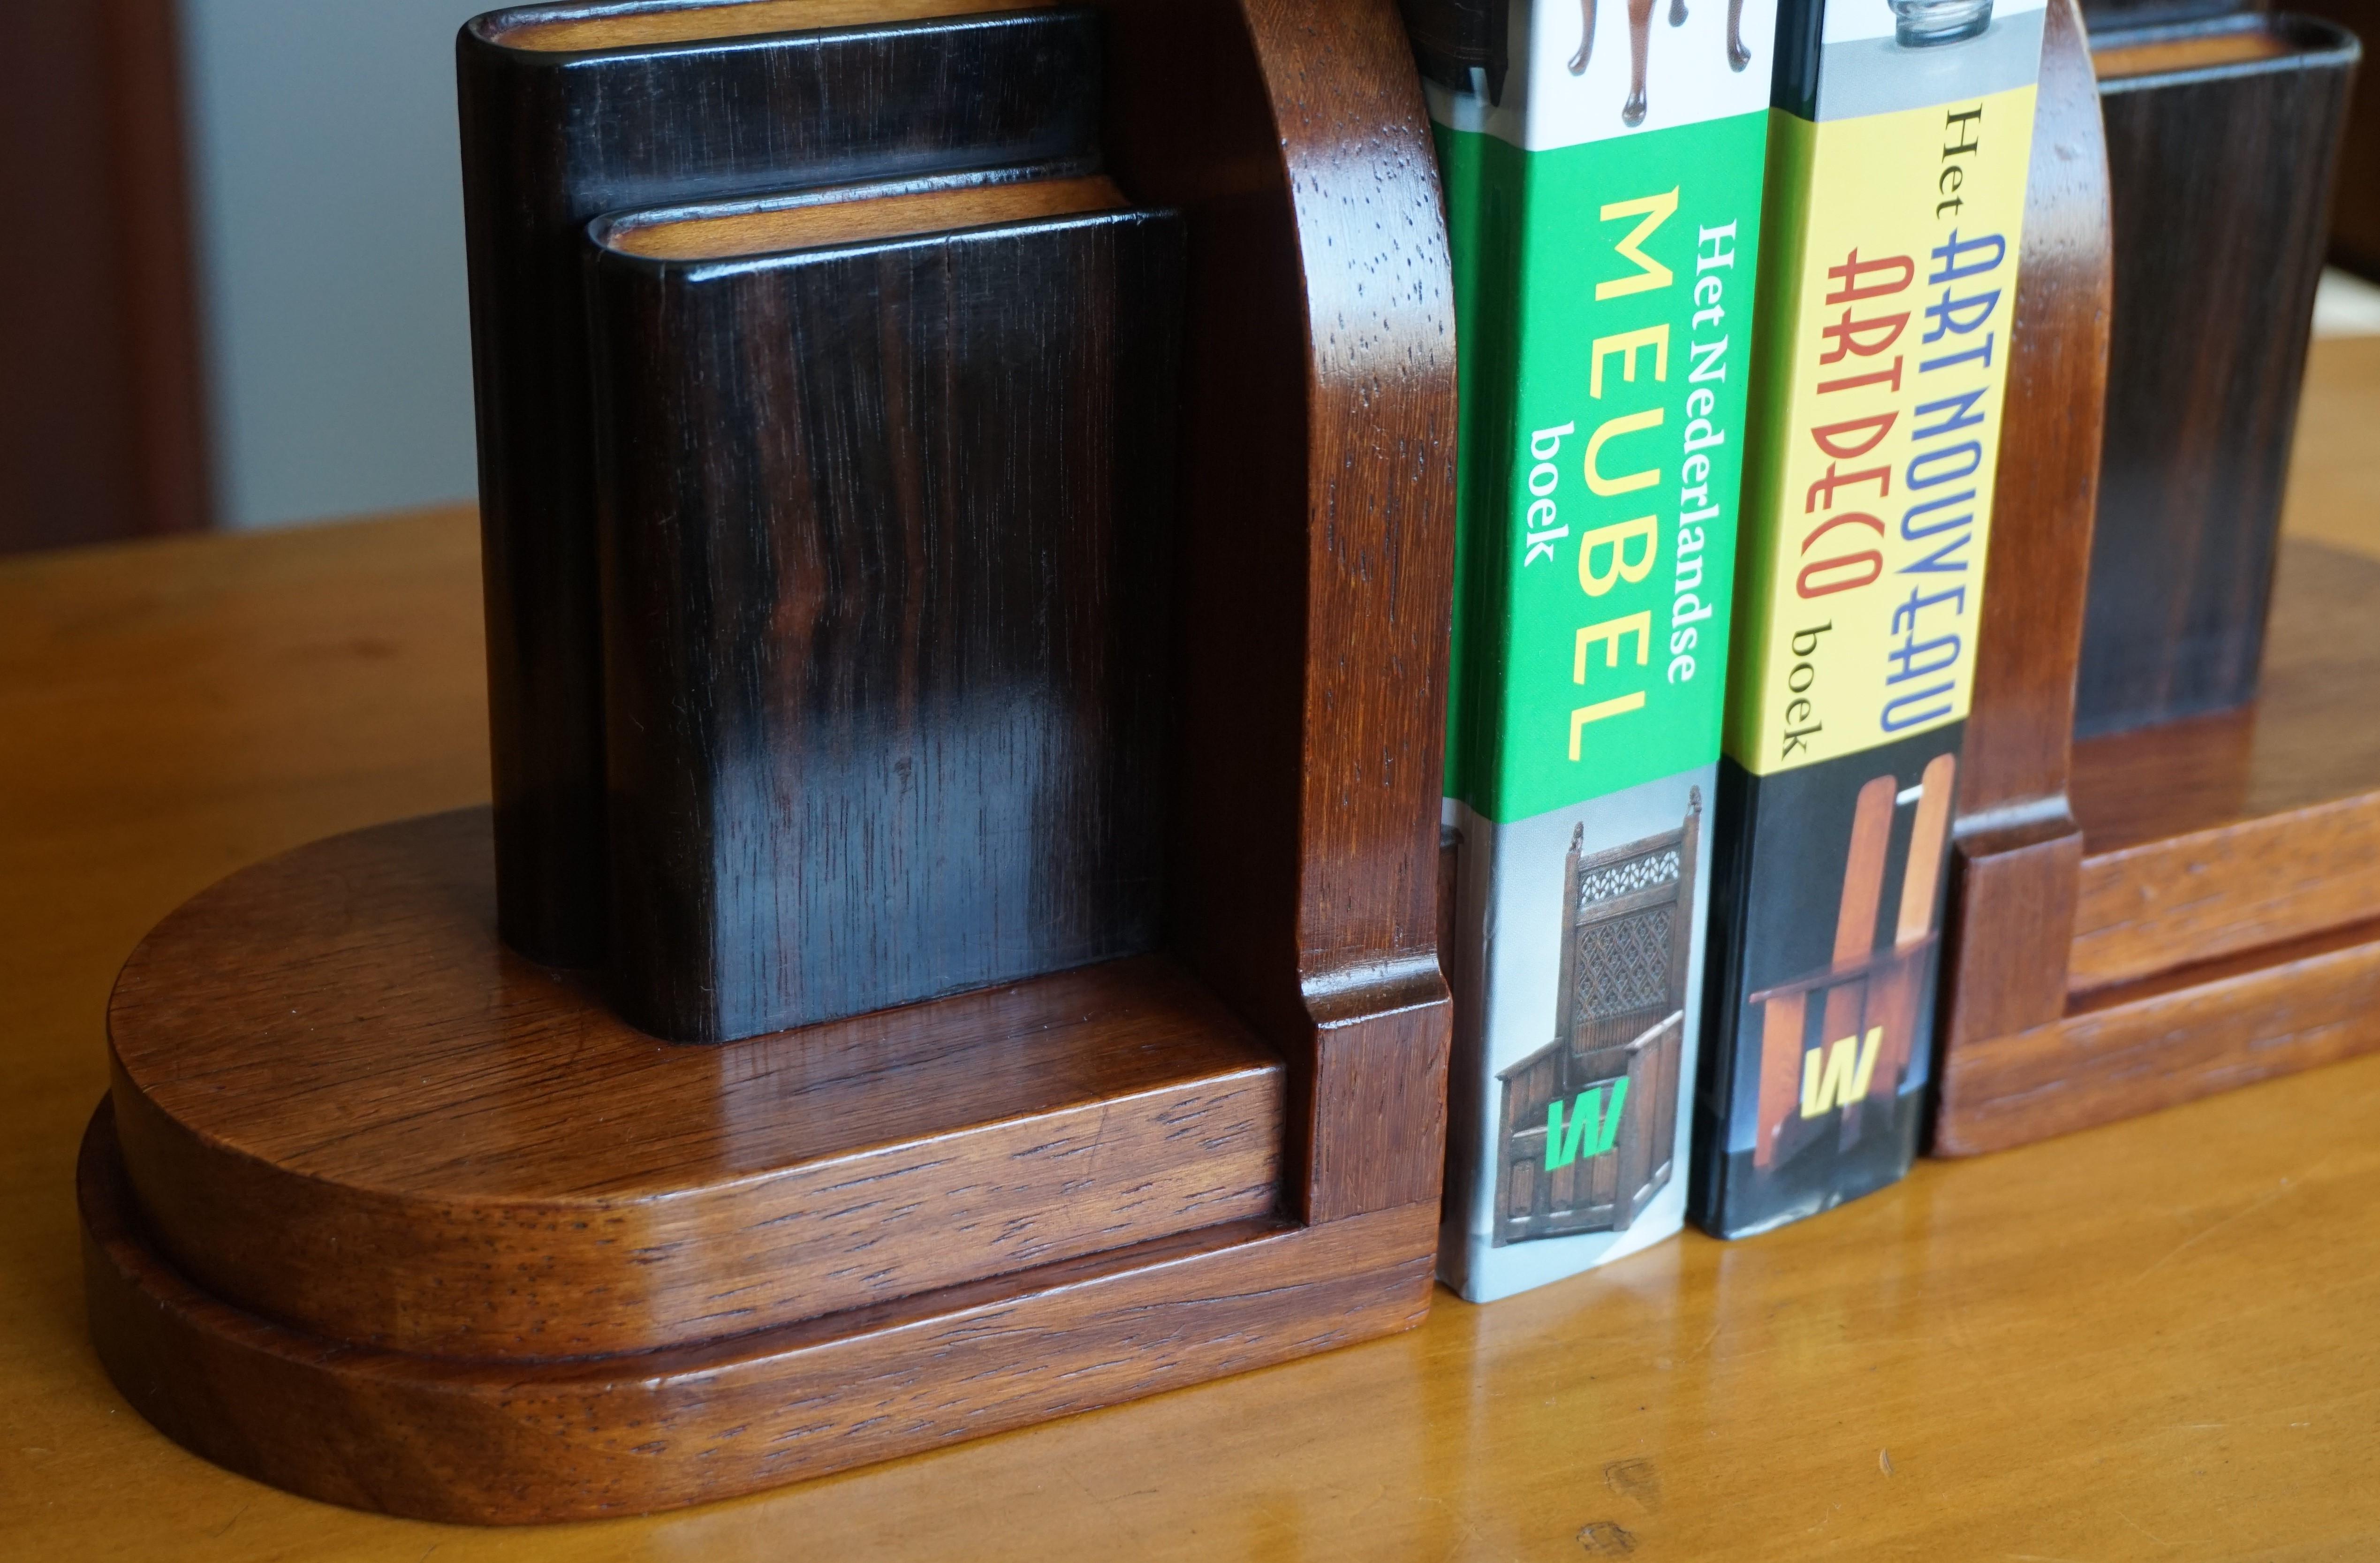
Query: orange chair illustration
<point>1868,997</point>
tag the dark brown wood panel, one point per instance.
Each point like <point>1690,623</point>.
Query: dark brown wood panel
<point>347,1105</point>
<point>1318,443</point>
<point>551,140</point>
<point>2219,851</point>
<point>883,606</point>
<point>2220,170</point>
<point>1286,1053</point>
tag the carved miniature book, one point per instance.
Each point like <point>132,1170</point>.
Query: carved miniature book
<point>1603,176</point>
<point>1897,188</point>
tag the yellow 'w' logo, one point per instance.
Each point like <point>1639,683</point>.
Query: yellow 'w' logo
<point>1837,1074</point>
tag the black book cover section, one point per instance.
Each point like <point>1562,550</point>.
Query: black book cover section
<point>1452,38</point>
<point>884,535</point>
<point>552,139</point>
<point>1818,1046</point>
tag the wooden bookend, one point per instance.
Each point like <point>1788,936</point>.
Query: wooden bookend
<point>383,1211</point>
<point>2148,917</point>
<point>2221,138</point>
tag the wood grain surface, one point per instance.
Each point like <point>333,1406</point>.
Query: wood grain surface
<point>584,26</point>
<point>2312,738</point>
<point>2100,883</point>
<point>885,611</point>
<point>102,398</point>
<point>508,1443</point>
<point>2015,843</point>
<point>2181,1035</point>
<point>2148,1342</point>
<point>551,140</point>
<point>1318,547</point>
<point>2216,835</point>
<point>2223,902</point>
<point>2220,174</point>
<point>1318,186</point>
<point>347,1105</point>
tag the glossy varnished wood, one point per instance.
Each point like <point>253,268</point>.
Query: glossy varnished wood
<point>2186,1033</point>
<point>2223,905</point>
<point>347,1106</point>
<point>2112,895</point>
<point>2161,1324</point>
<point>2221,141</point>
<point>884,604</point>
<point>1317,435</point>
<point>497,1443</point>
<point>2015,843</point>
<point>552,139</point>
<point>1318,495</point>
<point>2312,738</point>
<point>2210,837</point>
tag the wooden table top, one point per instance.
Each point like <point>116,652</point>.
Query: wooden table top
<point>2155,1341</point>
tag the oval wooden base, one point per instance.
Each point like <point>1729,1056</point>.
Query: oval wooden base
<point>343,1104</point>
<point>378,1212</point>
<point>504,1443</point>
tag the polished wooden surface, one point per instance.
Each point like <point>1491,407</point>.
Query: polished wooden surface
<point>1319,496</point>
<point>885,691</point>
<point>2148,1342</point>
<point>2015,843</point>
<point>2127,923</point>
<point>550,139</point>
<point>587,1437</point>
<point>344,1103</point>
<point>362,1339</point>
<point>2225,894</point>
<point>2220,170</point>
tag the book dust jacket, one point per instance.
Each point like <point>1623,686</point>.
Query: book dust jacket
<point>1603,169</point>
<point>1899,151</point>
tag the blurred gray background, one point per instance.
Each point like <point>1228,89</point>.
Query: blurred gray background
<point>327,228</point>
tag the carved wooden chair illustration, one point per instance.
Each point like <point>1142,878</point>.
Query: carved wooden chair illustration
<point>1639,45</point>
<point>1589,1127</point>
<point>1867,997</point>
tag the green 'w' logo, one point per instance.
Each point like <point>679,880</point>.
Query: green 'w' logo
<point>1589,1129</point>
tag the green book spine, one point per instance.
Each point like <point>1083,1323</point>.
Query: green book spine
<point>1604,199</point>
<point>1898,153</point>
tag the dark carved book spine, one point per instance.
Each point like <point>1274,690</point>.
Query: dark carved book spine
<point>884,531</point>
<point>554,137</point>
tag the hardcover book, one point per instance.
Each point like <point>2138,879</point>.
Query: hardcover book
<point>572,110</point>
<point>1603,179</point>
<point>1899,149</point>
<point>882,496</point>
